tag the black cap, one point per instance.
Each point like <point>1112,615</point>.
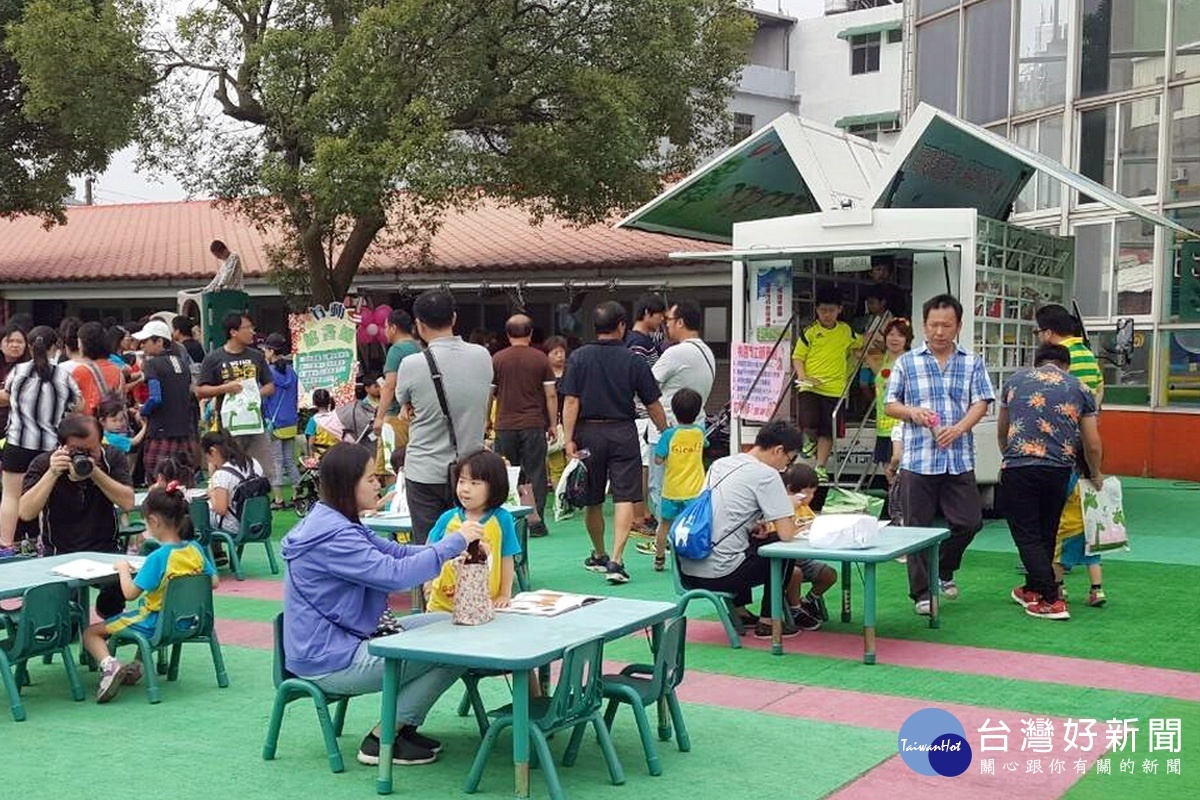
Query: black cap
<point>277,342</point>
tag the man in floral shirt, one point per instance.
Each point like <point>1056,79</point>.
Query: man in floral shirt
<point>1046,417</point>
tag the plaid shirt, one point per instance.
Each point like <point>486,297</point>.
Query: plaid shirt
<point>917,380</point>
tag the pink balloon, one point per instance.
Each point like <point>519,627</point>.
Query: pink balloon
<point>381,315</point>
<point>363,336</point>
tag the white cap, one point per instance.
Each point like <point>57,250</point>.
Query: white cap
<point>155,327</point>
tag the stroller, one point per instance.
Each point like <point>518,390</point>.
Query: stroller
<point>307,492</point>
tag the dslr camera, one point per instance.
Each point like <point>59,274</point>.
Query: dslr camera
<point>81,462</point>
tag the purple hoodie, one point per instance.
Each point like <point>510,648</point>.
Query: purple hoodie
<point>346,571</point>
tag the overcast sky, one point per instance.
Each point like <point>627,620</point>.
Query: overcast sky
<point>122,183</point>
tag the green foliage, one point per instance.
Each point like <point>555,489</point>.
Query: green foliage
<point>72,82</point>
<point>352,124</point>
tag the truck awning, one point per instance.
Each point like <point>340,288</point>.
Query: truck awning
<point>941,161</point>
<point>792,166</point>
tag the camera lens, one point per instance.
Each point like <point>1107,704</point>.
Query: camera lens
<point>81,465</point>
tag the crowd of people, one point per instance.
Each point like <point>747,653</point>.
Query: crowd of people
<point>90,409</point>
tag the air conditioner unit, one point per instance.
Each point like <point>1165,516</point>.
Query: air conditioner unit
<point>836,6</point>
<point>1179,175</point>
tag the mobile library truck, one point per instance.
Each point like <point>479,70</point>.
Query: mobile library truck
<point>805,207</point>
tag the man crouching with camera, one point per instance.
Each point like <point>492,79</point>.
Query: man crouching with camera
<point>76,491</point>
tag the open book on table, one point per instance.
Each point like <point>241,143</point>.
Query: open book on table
<point>86,569</point>
<point>546,603</point>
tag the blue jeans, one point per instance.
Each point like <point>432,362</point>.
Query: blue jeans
<point>283,453</point>
<point>421,685</point>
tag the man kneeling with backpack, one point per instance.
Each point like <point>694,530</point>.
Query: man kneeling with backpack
<point>233,478</point>
<point>747,500</point>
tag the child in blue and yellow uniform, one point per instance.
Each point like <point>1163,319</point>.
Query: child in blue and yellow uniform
<point>481,488</point>
<point>681,452</point>
<point>166,513</point>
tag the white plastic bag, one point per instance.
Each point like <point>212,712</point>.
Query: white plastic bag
<point>241,413</point>
<point>1103,516</point>
<point>562,506</point>
<point>514,481</point>
<point>844,532</point>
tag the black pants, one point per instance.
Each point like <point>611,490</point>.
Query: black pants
<point>754,571</point>
<point>1033,500</point>
<point>526,448</point>
<point>427,502</point>
<point>958,498</point>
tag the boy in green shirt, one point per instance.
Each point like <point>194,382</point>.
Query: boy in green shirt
<point>821,362</point>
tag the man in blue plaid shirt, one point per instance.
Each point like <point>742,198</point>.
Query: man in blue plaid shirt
<point>941,391</point>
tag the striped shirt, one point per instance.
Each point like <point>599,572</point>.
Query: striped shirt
<point>1084,365</point>
<point>37,406</point>
<point>917,380</point>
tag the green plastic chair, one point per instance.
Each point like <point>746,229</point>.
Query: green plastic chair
<point>288,687</point>
<point>644,685</point>
<point>254,528</point>
<point>576,702</point>
<point>186,616</point>
<point>42,627</point>
<point>722,602</point>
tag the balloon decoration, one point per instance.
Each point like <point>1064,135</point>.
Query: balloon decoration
<point>372,325</point>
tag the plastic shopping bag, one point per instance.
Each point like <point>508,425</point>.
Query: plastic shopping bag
<point>241,413</point>
<point>571,489</point>
<point>847,501</point>
<point>1103,516</point>
<point>844,532</point>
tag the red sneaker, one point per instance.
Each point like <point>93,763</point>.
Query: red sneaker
<point>1044,610</point>
<point>1023,597</point>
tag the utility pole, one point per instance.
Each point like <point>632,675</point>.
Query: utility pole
<point>87,191</point>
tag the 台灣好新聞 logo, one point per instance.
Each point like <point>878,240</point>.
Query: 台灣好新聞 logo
<point>933,742</point>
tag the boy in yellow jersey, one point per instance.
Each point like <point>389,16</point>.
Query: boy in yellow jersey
<point>681,452</point>
<point>1056,325</point>
<point>821,360</point>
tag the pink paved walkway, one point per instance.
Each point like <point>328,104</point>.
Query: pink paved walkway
<point>976,661</point>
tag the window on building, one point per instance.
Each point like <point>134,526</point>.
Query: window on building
<point>1183,178</point>
<point>1114,269</point>
<point>927,7</point>
<point>743,126</point>
<point>1118,147</point>
<point>1187,38</point>
<point>1182,299</point>
<point>1123,45</point>
<point>1093,269</point>
<point>864,53</point>
<point>895,36</point>
<point>937,63</point>
<point>1042,54</point>
<point>1042,136</point>
<point>1181,384</point>
<point>872,130</point>
<point>985,95</point>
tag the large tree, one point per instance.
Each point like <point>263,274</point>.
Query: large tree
<point>72,83</point>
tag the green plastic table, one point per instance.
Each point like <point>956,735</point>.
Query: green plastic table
<point>17,576</point>
<point>391,524</point>
<point>895,542</point>
<point>516,643</point>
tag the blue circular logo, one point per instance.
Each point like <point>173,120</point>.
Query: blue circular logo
<point>933,742</point>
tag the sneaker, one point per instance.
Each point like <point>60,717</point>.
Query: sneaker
<point>111,681</point>
<point>644,528</point>
<point>409,733</point>
<point>538,531</point>
<point>822,474</point>
<point>1096,598</point>
<point>922,607</point>
<point>809,450</point>
<point>949,589</point>
<point>1025,598</point>
<point>762,629</point>
<point>1044,610</point>
<point>645,548</point>
<point>7,552</point>
<point>133,674</point>
<point>405,752</point>
<point>806,616</point>
<point>819,603</point>
<point>616,573</point>
<point>596,563</point>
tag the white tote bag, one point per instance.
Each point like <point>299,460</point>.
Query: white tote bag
<point>241,413</point>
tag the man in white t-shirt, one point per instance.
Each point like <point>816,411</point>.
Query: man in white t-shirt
<point>747,490</point>
<point>687,364</point>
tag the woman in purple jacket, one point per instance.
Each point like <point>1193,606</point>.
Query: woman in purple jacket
<point>338,578</point>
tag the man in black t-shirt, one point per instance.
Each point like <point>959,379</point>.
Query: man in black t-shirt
<point>78,509</point>
<point>171,431</point>
<point>182,330</point>
<point>600,383</point>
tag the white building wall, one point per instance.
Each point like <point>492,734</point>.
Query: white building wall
<point>821,62</point>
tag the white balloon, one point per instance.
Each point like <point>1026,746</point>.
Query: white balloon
<point>372,330</point>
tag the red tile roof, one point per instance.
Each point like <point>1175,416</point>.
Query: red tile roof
<point>164,241</point>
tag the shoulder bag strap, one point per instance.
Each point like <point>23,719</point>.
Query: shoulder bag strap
<point>436,375</point>
<point>740,525</point>
<point>711,366</point>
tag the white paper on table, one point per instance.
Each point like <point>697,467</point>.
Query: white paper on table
<point>85,569</point>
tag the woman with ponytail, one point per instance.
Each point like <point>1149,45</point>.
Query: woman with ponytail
<point>38,394</point>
